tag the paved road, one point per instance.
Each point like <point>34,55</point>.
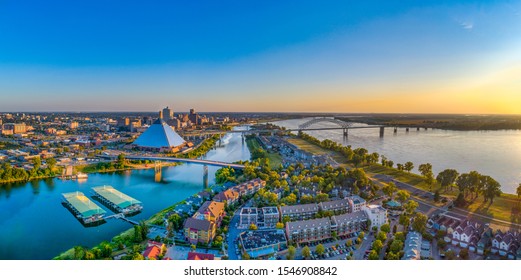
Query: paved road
<point>430,209</point>
<point>233,233</point>
<point>366,245</point>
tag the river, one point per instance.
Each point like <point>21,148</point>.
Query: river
<point>494,153</point>
<point>35,225</point>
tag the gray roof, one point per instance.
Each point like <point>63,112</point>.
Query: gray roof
<point>301,208</point>
<point>334,204</point>
<point>198,224</point>
<point>350,217</point>
<point>159,135</point>
<point>412,246</point>
<point>308,224</point>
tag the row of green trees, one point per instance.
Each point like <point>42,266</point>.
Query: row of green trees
<point>470,185</point>
<point>9,173</point>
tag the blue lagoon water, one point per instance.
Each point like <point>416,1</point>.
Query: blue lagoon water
<point>35,225</point>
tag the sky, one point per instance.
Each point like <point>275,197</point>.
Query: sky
<point>261,56</point>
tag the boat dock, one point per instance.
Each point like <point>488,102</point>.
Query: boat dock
<point>117,200</point>
<point>84,209</point>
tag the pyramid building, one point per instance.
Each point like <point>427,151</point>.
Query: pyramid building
<point>160,137</point>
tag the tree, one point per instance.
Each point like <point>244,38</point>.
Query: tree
<point>291,253</point>
<point>361,179</point>
<point>425,169</point>
<point>419,223</point>
<point>390,189</point>
<point>106,249</point>
<point>51,163</point>
<point>464,254</point>
<point>89,255</point>
<point>320,249</point>
<point>175,221</point>
<point>447,178</point>
<point>396,246</point>
<point>322,197</point>
<point>404,220</point>
<point>373,255</point>
<point>518,191</point>
<point>137,234</point>
<point>381,236</point>
<point>441,243</point>
<point>349,243</point>
<point>464,184</point>
<point>193,247</point>
<point>411,206</point>
<point>393,256</point>
<point>450,255</point>
<point>400,236</point>
<point>37,162</point>
<point>120,162</point>
<point>377,245</point>
<point>306,252</point>
<point>385,228</point>
<point>79,253</point>
<point>409,166</point>
<point>361,235</point>
<point>279,226</point>
<point>491,188</point>
<point>253,227</point>
<point>402,196</point>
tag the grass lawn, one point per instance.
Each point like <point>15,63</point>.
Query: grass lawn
<point>506,208</point>
<point>409,178</point>
<point>275,158</point>
<point>317,150</point>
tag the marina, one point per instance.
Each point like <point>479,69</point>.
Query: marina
<point>117,200</point>
<point>83,208</point>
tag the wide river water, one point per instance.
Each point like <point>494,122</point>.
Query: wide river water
<point>494,153</point>
<point>35,225</point>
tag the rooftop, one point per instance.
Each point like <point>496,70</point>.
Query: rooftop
<point>309,224</point>
<point>83,204</point>
<point>118,198</point>
<point>261,238</point>
<point>159,135</point>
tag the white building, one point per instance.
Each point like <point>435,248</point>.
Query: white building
<point>376,214</point>
<point>356,203</point>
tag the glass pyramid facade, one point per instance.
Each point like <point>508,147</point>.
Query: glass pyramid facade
<point>159,135</point>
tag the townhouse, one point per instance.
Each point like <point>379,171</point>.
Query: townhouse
<point>309,230</point>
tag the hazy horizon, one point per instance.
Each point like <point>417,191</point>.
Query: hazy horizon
<point>428,57</point>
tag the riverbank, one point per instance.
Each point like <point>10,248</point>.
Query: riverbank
<point>506,207</point>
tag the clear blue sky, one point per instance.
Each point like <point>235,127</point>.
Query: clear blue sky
<point>327,56</point>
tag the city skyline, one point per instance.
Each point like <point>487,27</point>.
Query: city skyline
<point>279,57</point>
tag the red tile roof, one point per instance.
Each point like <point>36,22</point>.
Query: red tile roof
<point>199,256</point>
<point>152,252</point>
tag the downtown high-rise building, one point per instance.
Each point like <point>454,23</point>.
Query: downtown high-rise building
<point>167,113</point>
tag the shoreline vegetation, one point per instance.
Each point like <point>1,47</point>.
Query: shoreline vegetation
<point>10,174</point>
<point>471,192</point>
<point>446,122</point>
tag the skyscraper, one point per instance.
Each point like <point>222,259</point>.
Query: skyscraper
<point>167,114</point>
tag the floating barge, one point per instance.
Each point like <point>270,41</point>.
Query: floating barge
<point>117,200</point>
<point>83,208</point>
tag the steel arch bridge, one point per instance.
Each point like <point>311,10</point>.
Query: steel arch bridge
<point>311,122</point>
